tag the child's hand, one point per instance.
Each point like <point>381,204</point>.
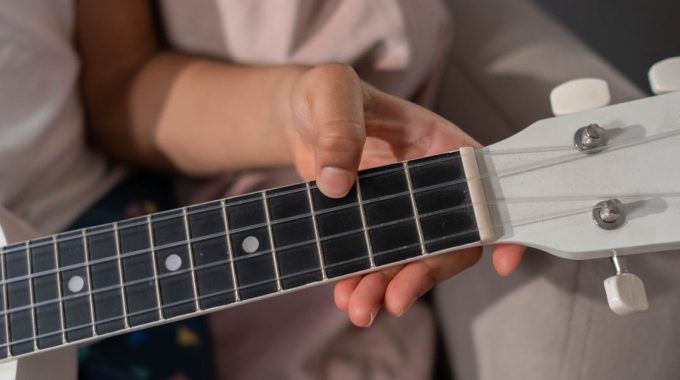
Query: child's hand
<point>341,124</point>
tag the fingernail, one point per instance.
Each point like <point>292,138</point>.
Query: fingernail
<point>334,182</point>
<point>373,314</point>
<point>407,307</point>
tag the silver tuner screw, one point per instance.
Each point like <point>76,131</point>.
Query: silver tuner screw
<point>609,214</point>
<point>626,293</point>
<point>589,137</point>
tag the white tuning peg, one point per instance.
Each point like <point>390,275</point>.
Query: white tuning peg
<point>579,95</point>
<point>626,293</point>
<point>664,76</point>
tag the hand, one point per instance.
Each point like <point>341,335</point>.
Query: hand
<point>340,124</point>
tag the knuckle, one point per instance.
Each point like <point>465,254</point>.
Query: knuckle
<point>350,138</point>
<point>333,71</point>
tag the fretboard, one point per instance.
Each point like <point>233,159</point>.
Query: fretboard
<point>109,279</point>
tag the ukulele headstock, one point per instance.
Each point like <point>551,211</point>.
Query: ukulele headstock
<point>546,193</point>
<point>614,191</point>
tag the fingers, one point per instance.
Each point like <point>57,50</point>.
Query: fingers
<point>335,97</point>
<point>343,290</point>
<point>506,257</point>
<point>367,296</point>
<point>366,299</point>
<point>418,277</point>
<point>409,284</point>
<point>397,287</point>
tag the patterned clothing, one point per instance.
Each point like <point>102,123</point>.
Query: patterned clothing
<point>174,351</point>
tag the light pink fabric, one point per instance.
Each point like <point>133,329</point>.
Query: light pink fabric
<point>397,45</point>
<point>302,336</point>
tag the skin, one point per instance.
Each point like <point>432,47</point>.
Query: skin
<point>152,107</point>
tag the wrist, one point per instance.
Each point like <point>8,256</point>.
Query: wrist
<point>282,117</point>
<point>223,117</point>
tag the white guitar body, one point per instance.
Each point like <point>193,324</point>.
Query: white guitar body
<point>59,364</point>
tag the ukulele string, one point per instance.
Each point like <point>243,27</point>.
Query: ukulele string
<point>184,242</point>
<point>212,294</point>
<point>300,216</point>
<point>221,292</point>
<point>181,243</point>
<point>199,297</point>
<point>542,149</point>
<point>90,292</point>
<point>568,198</point>
<point>250,256</point>
<point>5,314</point>
<point>521,169</point>
<point>508,172</point>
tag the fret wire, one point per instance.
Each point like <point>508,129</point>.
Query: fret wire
<point>282,220</point>
<point>134,282</point>
<point>142,251</point>
<point>265,203</point>
<point>139,312</point>
<point>57,263</point>
<point>155,268</point>
<point>191,257</point>
<point>5,302</point>
<point>89,283</point>
<point>362,213</point>
<point>230,251</point>
<point>404,163</point>
<point>316,231</point>
<point>352,204</point>
<point>325,238</point>
<point>416,216</point>
<point>121,279</point>
<point>386,171</point>
<point>31,295</point>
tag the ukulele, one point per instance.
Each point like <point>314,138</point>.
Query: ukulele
<point>604,183</point>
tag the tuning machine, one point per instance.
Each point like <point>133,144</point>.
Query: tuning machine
<point>626,292</point>
<point>579,95</point>
<point>664,76</point>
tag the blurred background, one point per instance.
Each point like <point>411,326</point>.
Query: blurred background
<point>630,34</point>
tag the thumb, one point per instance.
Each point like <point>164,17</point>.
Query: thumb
<point>336,103</point>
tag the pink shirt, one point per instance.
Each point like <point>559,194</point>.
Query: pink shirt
<point>397,45</point>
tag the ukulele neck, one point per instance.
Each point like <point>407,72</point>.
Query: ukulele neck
<point>135,273</point>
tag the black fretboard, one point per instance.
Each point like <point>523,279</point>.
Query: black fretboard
<point>143,271</point>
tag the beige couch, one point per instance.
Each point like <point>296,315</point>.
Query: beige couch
<point>550,319</point>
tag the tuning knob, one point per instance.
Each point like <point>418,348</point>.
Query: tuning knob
<point>664,76</point>
<point>579,95</point>
<point>626,292</point>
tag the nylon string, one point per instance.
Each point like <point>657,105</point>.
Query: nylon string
<point>516,223</point>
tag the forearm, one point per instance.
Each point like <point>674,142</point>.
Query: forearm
<point>199,116</point>
<point>211,116</point>
<point>157,108</point>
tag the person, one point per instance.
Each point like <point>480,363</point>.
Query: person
<point>168,108</point>
<point>530,326</point>
<point>162,108</point>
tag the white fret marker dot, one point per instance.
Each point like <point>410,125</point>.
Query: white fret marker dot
<point>173,262</point>
<point>250,244</point>
<point>76,284</point>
